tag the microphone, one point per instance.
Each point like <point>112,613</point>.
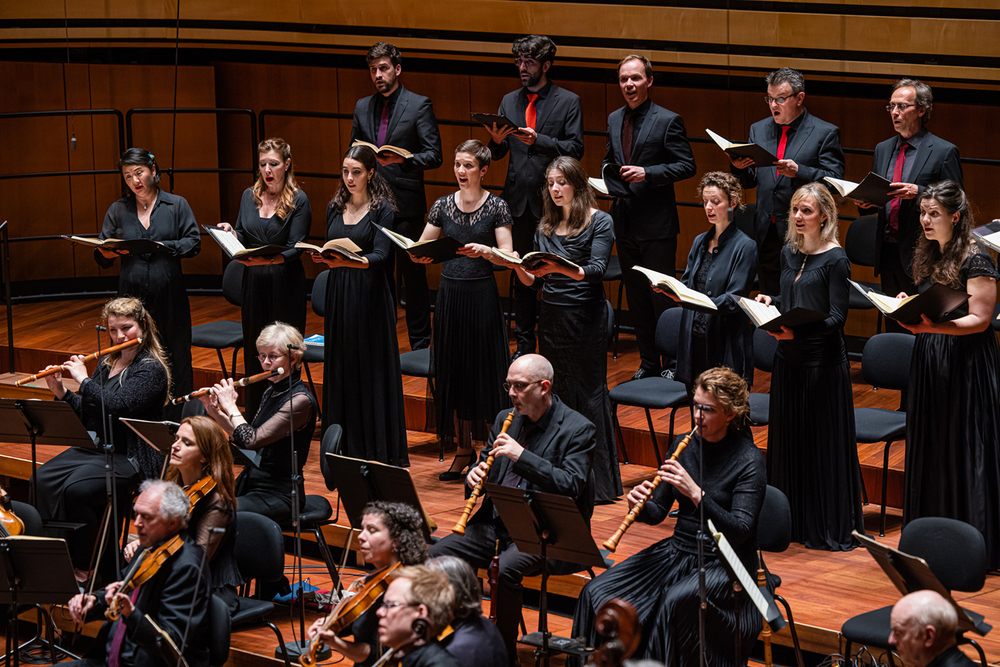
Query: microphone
<point>217,530</point>
<point>704,408</point>
<point>100,328</point>
<point>292,347</point>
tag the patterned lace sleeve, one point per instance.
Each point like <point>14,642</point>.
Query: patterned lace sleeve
<point>275,428</point>
<point>501,212</point>
<point>434,215</point>
<point>979,264</point>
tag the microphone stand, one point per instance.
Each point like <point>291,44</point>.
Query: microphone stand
<point>701,539</point>
<point>109,466</point>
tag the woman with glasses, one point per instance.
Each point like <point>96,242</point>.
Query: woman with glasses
<point>286,418</point>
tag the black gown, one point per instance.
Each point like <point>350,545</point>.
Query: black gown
<point>952,464</point>
<point>661,581</point>
<point>812,450</point>
<point>469,354</point>
<point>156,278</point>
<point>275,293</point>
<point>71,486</point>
<point>213,512</point>
<point>573,336</point>
<point>362,381</point>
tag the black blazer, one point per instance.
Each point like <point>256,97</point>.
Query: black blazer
<point>413,127</point>
<point>559,460</point>
<point>935,160</point>
<point>815,147</point>
<point>662,149</point>
<point>559,124</point>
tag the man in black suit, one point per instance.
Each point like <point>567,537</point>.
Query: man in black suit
<point>923,160</point>
<point>395,116</point>
<point>550,122</point>
<point>807,149</point>
<point>649,147</point>
<point>923,631</point>
<point>548,447</point>
<point>176,598</point>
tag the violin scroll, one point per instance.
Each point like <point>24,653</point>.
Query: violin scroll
<point>618,621</point>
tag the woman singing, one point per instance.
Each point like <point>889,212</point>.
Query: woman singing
<point>267,489</point>
<point>130,383</point>
<point>273,212</point>
<point>722,265</point>
<point>391,534</point>
<point>661,581</point>
<point>812,451</point>
<point>952,467</point>
<point>362,382</point>
<point>573,322</point>
<point>470,351</point>
<point>146,212</point>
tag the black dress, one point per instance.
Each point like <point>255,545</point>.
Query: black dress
<point>470,354</point>
<point>213,512</point>
<point>267,489</point>
<point>812,450</point>
<point>573,336</point>
<point>661,581</point>
<point>71,486</point>
<point>362,382</point>
<point>156,278</point>
<point>274,293</point>
<point>952,465</point>
<point>365,631</point>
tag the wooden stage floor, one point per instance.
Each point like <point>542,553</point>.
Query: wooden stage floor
<point>824,589</point>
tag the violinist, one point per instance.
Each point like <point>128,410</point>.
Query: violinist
<point>202,464</point>
<point>174,595</point>
<point>390,536</point>
<point>475,642</point>
<point>417,607</point>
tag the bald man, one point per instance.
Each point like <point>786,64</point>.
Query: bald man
<point>548,447</point>
<point>923,631</point>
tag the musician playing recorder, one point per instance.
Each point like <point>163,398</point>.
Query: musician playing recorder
<point>661,581</point>
<point>548,447</point>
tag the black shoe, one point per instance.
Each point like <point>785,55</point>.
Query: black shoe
<point>457,471</point>
<point>642,373</point>
<point>513,357</point>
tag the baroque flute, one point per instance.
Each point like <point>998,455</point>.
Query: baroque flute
<point>470,504</point>
<point>208,391</point>
<point>89,357</point>
<point>612,543</point>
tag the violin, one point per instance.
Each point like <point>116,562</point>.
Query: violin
<point>199,490</point>
<point>10,523</point>
<point>618,621</point>
<point>144,569</point>
<point>350,609</point>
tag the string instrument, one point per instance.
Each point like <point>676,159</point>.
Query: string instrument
<point>90,357</point>
<point>199,490</point>
<point>242,382</point>
<point>420,629</point>
<point>10,523</point>
<point>612,543</point>
<point>618,621</point>
<point>145,568</point>
<point>470,504</point>
<point>350,609</point>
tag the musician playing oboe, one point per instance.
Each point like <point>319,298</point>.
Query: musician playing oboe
<point>661,581</point>
<point>548,447</point>
<point>267,489</point>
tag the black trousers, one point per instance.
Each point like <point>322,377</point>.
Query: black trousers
<point>894,278</point>
<point>525,298</point>
<point>418,303</point>
<point>644,305</point>
<point>769,261</point>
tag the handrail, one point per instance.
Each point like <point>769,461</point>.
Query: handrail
<point>6,291</point>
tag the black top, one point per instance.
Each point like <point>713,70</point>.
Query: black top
<point>476,227</point>
<point>953,657</point>
<point>365,631</point>
<point>375,245</point>
<point>476,641</point>
<point>138,392</point>
<point>432,655</point>
<point>171,223</point>
<point>978,264</point>
<point>734,486</point>
<point>210,512</point>
<point>822,286</point>
<point>254,231</point>
<point>590,250</point>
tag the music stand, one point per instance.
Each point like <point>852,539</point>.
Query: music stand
<point>33,571</point>
<point>550,526</point>
<point>158,435</point>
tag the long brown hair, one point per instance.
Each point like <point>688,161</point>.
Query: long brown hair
<point>132,308</point>
<point>378,188</point>
<point>213,444</point>
<point>583,198</point>
<point>287,201</point>
<point>929,261</point>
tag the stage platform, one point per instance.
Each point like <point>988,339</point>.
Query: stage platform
<point>824,589</point>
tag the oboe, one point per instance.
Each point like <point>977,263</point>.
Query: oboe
<point>208,391</point>
<point>470,504</point>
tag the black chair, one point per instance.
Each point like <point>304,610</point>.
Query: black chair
<point>613,273</point>
<point>654,393</point>
<point>764,348</point>
<point>219,632</point>
<point>29,516</point>
<point>774,534</point>
<point>314,353</point>
<point>417,363</point>
<point>955,553</point>
<point>317,512</point>
<point>223,334</point>
<point>859,244</point>
<point>260,556</point>
<point>885,362</point>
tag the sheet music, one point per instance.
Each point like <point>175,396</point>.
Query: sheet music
<point>749,585</point>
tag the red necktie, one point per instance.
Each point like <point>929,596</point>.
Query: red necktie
<point>897,175</point>
<point>781,152</point>
<point>116,642</point>
<point>628,128</point>
<point>530,112</point>
<point>383,124</point>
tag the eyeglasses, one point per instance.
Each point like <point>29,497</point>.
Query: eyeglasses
<point>527,62</point>
<point>777,100</point>
<point>519,387</point>
<point>269,357</point>
<point>393,605</point>
<point>901,107</point>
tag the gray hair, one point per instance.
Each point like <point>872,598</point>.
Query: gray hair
<point>174,503</point>
<point>792,77</point>
<point>468,596</point>
<point>923,97</point>
<point>281,335</point>
<point>929,608</point>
